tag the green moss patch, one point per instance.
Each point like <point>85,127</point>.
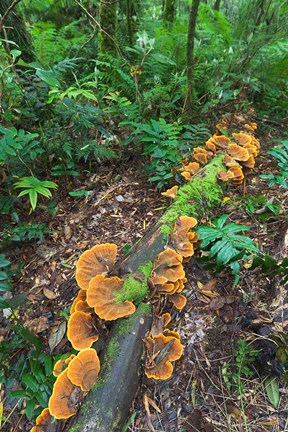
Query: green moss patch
<point>196,196</point>
<point>132,290</point>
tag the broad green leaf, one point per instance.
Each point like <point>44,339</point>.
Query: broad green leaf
<point>30,382</point>
<point>33,198</point>
<point>4,304</point>
<point>29,410</point>
<point>272,390</point>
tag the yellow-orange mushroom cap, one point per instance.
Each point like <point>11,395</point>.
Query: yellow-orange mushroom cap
<point>171,193</point>
<point>252,149</point>
<point>168,349</point>
<point>82,306</point>
<point>219,141</point>
<point>169,264</point>
<point>84,369</point>
<point>178,300</point>
<point>81,296</point>
<point>200,156</point>
<point>101,296</point>
<point>229,161</point>
<point>191,168</point>
<point>61,364</point>
<point>181,244</point>
<point>249,163</point>
<point>242,138</point>
<point>238,153</point>
<point>92,262</point>
<point>225,175</point>
<point>81,331</point>
<point>184,223</point>
<point>65,397</point>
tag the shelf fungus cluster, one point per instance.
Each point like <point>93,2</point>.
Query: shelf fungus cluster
<point>168,278</point>
<point>99,297</point>
<point>239,149</point>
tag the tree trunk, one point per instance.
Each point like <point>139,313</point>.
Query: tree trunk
<point>108,23</point>
<point>188,105</point>
<point>169,13</point>
<point>14,29</point>
<point>107,405</point>
<point>217,5</point>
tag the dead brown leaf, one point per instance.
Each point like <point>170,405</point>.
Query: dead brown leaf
<point>51,295</point>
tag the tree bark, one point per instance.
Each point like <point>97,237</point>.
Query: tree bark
<point>216,6</point>
<point>12,27</point>
<point>107,405</point>
<point>169,13</point>
<point>108,24</point>
<point>188,106</point>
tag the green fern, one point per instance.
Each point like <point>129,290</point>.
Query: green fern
<point>226,246</point>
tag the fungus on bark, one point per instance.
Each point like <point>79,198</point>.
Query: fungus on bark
<point>200,155</point>
<point>229,161</point>
<point>101,295</point>
<point>238,153</point>
<point>42,421</point>
<point>61,364</point>
<point>65,397</point>
<point>178,300</point>
<point>171,193</point>
<point>249,163</point>
<point>84,369</point>
<point>225,175</point>
<point>80,296</point>
<point>169,265</point>
<point>161,351</point>
<point>184,223</point>
<point>180,242</point>
<point>189,170</point>
<point>82,306</point>
<point>219,141</point>
<point>81,331</point>
<point>242,138</point>
<point>92,262</point>
<point>252,149</point>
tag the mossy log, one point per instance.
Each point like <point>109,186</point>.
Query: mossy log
<point>107,405</point>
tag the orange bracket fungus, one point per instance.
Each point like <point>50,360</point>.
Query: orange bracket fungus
<point>200,155</point>
<point>98,260</point>
<point>101,295</point>
<point>161,351</point>
<point>241,138</point>
<point>178,300</point>
<point>169,265</point>
<point>225,175</point>
<point>171,193</point>
<point>238,153</point>
<point>219,141</point>
<point>65,397</point>
<point>42,421</point>
<point>84,369</point>
<point>81,296</point>
<point>81,330</point>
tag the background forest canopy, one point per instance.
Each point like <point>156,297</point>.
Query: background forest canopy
<point>84,82</point>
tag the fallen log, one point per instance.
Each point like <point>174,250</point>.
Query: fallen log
<point>107,405</point>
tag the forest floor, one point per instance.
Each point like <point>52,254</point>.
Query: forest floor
<point>201,394</point>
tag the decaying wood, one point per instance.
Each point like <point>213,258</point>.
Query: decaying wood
<point>107,405</point>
